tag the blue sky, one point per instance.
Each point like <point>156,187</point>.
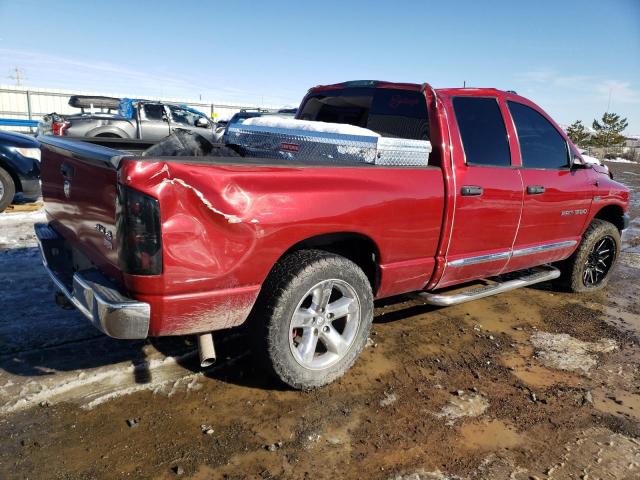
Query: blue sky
<point>567,56</point>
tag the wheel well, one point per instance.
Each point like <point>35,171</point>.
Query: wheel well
<point>108,135</point>
<point>358,248</point>
<point>612,214</point>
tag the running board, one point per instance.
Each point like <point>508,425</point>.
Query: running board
<point>539,274</point>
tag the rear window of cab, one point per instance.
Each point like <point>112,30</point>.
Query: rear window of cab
<point>389,112</point>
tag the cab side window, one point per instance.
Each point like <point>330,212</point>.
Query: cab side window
<point>484,136</point>
<point>154,111</point>
<point>541,145</point>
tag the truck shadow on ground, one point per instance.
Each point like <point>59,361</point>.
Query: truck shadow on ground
<point>65,342</point>
<point>240,365</point>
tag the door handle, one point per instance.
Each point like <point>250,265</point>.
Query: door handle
<point>535,189</point>
<point>471,191</point>
<point>67,170</point>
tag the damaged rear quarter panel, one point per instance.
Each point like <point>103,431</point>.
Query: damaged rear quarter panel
<point>225,226</point>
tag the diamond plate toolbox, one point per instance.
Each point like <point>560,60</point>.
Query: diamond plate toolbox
<point>307,145</point>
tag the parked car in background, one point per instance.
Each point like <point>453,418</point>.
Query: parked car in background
<point>19,168</point>
<point>132,119</point>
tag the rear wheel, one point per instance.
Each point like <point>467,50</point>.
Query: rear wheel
<point>591,265</point>
<point>318,309</point>
<point>7,189</point>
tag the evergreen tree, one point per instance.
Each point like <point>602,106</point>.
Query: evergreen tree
<point>578,134</point>
<point>608,133</point>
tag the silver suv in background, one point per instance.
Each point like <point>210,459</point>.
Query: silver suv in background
<point>105,117</point>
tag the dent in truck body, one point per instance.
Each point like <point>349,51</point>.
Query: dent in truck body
<point>225,229</point>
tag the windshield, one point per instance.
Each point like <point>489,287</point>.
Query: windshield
<point>389,112</point>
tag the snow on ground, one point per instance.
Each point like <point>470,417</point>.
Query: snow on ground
<point>16,229</point>
<point>564,352</point>
<point>464,405</point>
<point>619,160</point>
<point>309,126</point>
<point>48,354</point>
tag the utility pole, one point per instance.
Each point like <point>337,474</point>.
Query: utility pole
<point>18,76</point>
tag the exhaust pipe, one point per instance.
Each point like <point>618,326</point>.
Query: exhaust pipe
<point>206,349</point>
<point>63,301</point>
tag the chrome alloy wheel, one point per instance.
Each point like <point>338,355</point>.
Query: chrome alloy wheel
<point>599,261</point>
<point>324,325</point>
<point>1,189</point>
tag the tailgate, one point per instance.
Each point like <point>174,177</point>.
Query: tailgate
<point>79,182</point>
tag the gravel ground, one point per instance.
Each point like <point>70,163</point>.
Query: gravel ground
<point>529,384</point>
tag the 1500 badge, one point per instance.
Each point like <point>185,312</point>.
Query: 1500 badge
<point>107,234</point>
<point>573,212</point>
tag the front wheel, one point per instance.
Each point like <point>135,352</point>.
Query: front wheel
<point>591,265</point>
<point>316,311</point>
<point>7,190</point>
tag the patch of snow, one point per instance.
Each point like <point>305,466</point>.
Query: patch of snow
<point>389,399</point>
<point>16,229</point>
<point>422,474</point>
<point>465,405</point>
<point>564,352</point>
<point>618,160</point>
<point>98,386</point>
<point>309,126</point>
<point>10,217</point>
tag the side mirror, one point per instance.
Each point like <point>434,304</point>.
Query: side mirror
<point>577,164</point>
<point>202,122</point>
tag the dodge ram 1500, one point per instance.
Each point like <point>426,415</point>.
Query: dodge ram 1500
<point>299,248</point>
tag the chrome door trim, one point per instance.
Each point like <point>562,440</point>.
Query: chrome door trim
<point>491,257</point>
<point>543,248</point>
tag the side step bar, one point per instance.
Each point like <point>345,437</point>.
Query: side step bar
<point>529,277</point>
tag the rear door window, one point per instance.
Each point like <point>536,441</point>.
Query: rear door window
<point>482,129</point>
<point>541,145</point>
<point>389,112</point>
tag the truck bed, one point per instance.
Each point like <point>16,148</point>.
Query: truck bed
<point>225,221</point>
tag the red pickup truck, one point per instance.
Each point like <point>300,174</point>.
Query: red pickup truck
<point>176,245</point>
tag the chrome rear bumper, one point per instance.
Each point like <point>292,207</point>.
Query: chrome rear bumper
<point>91,292</point>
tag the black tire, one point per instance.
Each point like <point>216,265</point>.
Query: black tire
<point>7,190</point>
<point>283,293</point>
<point>576,273</point>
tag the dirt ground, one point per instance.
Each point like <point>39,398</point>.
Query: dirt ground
<point>532,384</point>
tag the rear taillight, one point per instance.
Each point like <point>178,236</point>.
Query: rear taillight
<point>138,232</point>
<point>59,127</point>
